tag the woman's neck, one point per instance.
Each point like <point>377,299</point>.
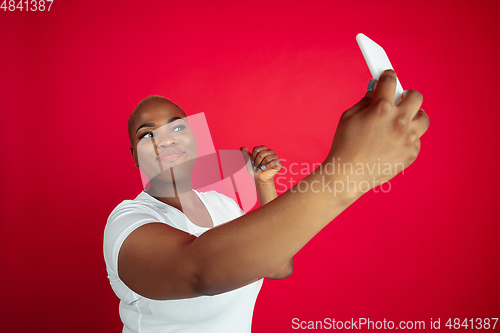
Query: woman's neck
<point>178,194</point>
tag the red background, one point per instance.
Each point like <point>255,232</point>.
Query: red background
<point>273,73</point>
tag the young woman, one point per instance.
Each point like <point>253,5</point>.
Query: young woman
<point>175,263</point>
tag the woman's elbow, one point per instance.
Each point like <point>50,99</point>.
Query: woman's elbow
<point>283,272</point>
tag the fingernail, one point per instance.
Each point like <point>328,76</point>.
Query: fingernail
<point>259,170</point>
<point>371,84</point>
<point>253,163</point>
<point>263,167</point>
<point>254,167</point>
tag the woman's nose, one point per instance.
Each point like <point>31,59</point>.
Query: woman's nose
<point>164,139</point>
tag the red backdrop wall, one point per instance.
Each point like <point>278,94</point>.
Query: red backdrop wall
<point>276,73</point>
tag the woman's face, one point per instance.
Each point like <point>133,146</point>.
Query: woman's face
<point>163,142</point>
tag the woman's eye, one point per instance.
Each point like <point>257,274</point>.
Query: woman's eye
<point>147,135</point>
<point>178,128</point>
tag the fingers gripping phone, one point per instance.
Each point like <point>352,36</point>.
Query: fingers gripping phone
<point>377,61</point>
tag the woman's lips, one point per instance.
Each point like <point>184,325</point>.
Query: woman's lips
<point>171,157</point>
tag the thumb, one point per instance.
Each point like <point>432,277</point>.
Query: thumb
<point>246,151</point>
<point>247,157</point>
<point>364,102</point>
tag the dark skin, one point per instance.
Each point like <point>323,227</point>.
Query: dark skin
<point>161,262</point>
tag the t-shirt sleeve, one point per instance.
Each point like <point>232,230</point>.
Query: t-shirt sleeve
<point>124,219</point>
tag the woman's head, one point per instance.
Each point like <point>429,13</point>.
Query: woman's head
<point>161,139</point>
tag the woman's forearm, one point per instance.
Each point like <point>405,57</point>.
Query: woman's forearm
<point>266,192</point>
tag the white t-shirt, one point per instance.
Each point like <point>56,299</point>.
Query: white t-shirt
<point>227,312</point>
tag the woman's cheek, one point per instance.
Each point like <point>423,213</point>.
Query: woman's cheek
<point>192,146</point>
<point>147,158</point>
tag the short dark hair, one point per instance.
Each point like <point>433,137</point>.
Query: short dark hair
<point>131,118</point>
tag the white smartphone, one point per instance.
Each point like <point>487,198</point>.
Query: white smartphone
<point>377,61</point>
